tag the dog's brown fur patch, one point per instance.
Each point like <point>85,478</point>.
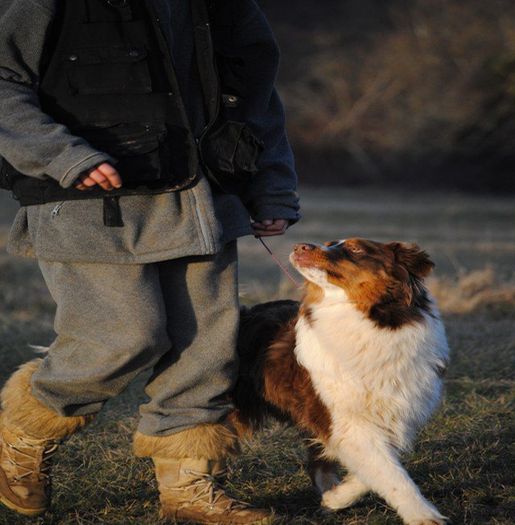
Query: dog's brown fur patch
<point>288,386</point>
<point>313,294</point>
<point>271,381</point>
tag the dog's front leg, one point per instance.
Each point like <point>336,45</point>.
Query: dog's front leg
<point>375,465</point>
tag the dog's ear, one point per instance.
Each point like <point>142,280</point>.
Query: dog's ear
<point>411,257</point>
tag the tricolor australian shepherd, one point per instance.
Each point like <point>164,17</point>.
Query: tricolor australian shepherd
<point>357,365</point>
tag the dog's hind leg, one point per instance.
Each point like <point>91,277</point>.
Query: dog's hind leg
<point>368,456</point>
<point>348,492</point>
<point>323,472</point>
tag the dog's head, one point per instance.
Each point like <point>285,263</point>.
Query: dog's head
<point>384,281</point>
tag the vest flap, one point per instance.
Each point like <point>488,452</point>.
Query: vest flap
<point>103,55</point>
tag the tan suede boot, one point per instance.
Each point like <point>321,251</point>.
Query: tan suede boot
<point>187,465</point>
<point>29,437</point>
<point>189,492</point>
<point>25,472</point>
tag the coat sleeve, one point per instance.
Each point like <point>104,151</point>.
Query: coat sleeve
<point>273,192</point>
<point>30,140</point>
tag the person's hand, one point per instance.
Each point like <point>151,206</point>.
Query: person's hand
<point>270,227</point>
<point>104,175</point>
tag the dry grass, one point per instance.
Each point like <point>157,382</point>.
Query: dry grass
<point>479,289</point>
<point>462,461</point>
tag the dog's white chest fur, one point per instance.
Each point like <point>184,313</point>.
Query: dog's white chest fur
<point>385,378</point>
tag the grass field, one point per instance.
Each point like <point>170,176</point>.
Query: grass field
<point>463,460</point>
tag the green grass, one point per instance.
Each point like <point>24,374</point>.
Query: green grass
<point>463,460</point>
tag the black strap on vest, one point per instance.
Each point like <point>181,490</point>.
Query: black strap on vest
<point>112,212</point>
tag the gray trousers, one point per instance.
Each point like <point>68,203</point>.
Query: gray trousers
<point>178,317</point>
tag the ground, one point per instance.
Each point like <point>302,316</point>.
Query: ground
<point>462,460</point>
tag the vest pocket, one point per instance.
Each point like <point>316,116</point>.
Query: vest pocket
<point>231,153</point>
<point>110,70</point>
<point>139,149</point>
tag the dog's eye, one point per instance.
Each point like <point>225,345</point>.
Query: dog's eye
<point>356,250</point>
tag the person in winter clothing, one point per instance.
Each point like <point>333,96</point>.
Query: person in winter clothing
<point>102,103</point>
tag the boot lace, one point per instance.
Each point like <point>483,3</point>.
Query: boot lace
<point>17,449</point>
<point>207,490</point>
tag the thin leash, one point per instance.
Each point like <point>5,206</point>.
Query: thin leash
<point>280,264</point>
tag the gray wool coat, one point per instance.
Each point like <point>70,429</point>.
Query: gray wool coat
<point>196,221</point>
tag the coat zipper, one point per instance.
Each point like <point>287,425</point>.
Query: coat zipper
<point>57,210</point>
<point>214,118</point>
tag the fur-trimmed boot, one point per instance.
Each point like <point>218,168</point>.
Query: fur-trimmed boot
<point>187,466</point>
<point>29,436</point>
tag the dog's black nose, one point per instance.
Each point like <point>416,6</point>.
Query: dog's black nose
<point>304,247</point>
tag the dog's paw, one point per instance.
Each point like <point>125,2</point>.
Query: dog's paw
<point>423,512</point>
<point>345,494</point>
<point>331,501</point>
<point>337,499</point>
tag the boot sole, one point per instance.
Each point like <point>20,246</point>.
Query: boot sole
<point>20,510</point>
<point>264,521</point>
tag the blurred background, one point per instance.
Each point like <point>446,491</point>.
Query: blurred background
<point>418,93</point>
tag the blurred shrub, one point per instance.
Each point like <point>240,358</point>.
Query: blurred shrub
<point>418,92</point>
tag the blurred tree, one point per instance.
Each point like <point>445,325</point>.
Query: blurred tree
<point>418,92</point>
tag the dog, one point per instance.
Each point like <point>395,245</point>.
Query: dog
<point>357,365</point>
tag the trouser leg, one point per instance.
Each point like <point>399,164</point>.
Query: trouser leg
<point>190,384</point>
<point>182,427</point>
<point>110,324</point>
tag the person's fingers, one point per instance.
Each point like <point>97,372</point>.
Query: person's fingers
<point>261,232</point>
<point>79,185</point>
<point>89,182</point>
<point>264,233</point>
<point>101,180</point>
<point>258,226</point>
<point>271,225</point>
<point>277,227</point>
<point>104,175</point>
<point>264,224</point>
<point>261,225</point>
<point>281,223</point>
<point>111,174</point>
